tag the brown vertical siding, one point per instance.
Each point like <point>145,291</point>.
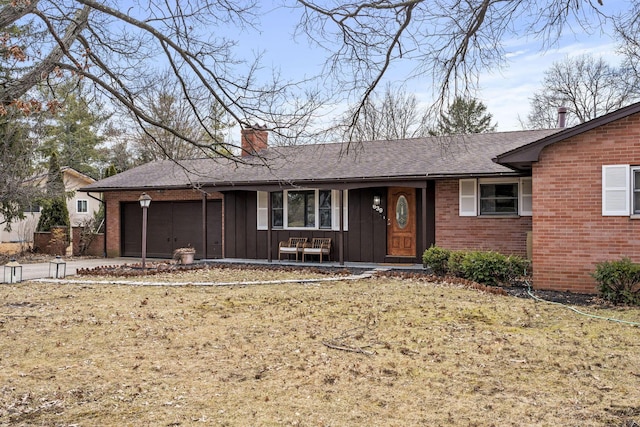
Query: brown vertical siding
<point>506,235</point>
<point>570,235</point>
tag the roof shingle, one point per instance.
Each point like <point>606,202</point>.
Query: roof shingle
<point>419,158</point>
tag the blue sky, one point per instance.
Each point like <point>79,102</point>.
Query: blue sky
<point>505,92</point>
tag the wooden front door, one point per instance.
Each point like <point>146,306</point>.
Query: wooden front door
<point>401,222</point>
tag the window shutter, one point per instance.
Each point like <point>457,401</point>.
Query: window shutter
<point>263,214</point>
<point>468,197</point>
<point>335,215</point>
<point>526,197</point>
<point>616,196</point>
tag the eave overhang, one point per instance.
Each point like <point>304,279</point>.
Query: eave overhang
<point>522,158</point>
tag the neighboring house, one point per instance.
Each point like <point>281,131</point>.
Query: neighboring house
<point>387,201</point>
<point>81,206</point>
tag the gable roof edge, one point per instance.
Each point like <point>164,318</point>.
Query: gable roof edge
<point>521,158</point>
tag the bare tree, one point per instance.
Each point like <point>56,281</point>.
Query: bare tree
<point>588,87</point>
<point>118,51</point>
<point>627,27</point>
<point>166,105</point>
<point>16,167</point>
<point>450,41</point>
<point>395,115</point>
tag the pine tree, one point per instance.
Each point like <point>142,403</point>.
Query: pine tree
<point>55,211</point>
<point>464,116</point>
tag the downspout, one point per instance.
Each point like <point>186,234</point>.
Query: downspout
<point>341,235</point>
<point>424,221</point>
<point>204,225</point>
<point>269,257</point>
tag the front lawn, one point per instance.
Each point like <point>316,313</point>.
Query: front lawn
<point>380,351</point>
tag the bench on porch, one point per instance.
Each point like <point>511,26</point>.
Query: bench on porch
<point>292,246</point>
<point>318,246</point>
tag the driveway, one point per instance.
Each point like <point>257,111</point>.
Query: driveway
<point>47,269</point>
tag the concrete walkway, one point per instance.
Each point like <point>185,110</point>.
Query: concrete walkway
<point>42,270</point>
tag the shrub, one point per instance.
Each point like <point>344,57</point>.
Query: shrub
<point>491,268</point>
<point>487,268</point>
<point>619,281</point>
<point>436,258</point>
<point>54,214</point>
<point>484,267</point>
<point>517,267</point>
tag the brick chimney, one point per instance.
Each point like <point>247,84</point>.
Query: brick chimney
<point>254,139</point>
<point>562,117</point>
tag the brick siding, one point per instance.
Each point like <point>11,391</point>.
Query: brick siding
<point>506,235</point>
<point>570,235</point>
<point>114,198</point>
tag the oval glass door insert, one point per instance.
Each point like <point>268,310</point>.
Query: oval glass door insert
<point>402,212</point>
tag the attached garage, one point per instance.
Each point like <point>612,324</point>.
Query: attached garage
<point>172,225</point>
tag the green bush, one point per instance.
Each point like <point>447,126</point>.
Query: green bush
<point>436,258</point>
<point>454,266</point>
<point>517,267</point>
<point>54,213</point>
<point>485,267</point>
<point>491,268</point>
<point>619,281</point>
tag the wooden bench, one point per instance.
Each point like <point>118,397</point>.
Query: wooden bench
<point>292,246</point>
<point>318,246</point>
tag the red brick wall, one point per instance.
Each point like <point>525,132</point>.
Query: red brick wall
<point>113,199</point>
<point>505,235</point>
<point>96,247</point>
<point>570,235</point>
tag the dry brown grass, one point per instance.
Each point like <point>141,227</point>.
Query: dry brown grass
<point>401,353</point>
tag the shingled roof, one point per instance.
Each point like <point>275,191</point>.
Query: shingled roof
<point>326,164</point>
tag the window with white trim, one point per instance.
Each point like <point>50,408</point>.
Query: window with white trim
<point>636,191</point>
<point>302,209</point>
<point>620,190</point>
<point>82,206</point>
<point>495,197</point>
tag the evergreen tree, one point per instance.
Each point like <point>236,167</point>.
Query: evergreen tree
<point>55,211</point>
<point>72,131</point>
<point>111,170</point>
<point>464,116</point>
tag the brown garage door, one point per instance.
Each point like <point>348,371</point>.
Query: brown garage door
<point>171,225</point>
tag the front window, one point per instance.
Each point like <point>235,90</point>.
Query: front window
<point>636,191</point>
<point>301,209</point>
<point>499,198</point>
<point>324,208</point>
<point>82,206</point>
<point>277,210</point>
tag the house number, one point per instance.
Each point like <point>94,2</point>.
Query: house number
<point>402,212</point>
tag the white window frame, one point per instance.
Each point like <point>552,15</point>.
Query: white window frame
<point>263,213</point>
<point>469,196</point>
<point>86,204</point>
<point>616,190</point>
<point>635,188</point>
<point>525,196</point>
